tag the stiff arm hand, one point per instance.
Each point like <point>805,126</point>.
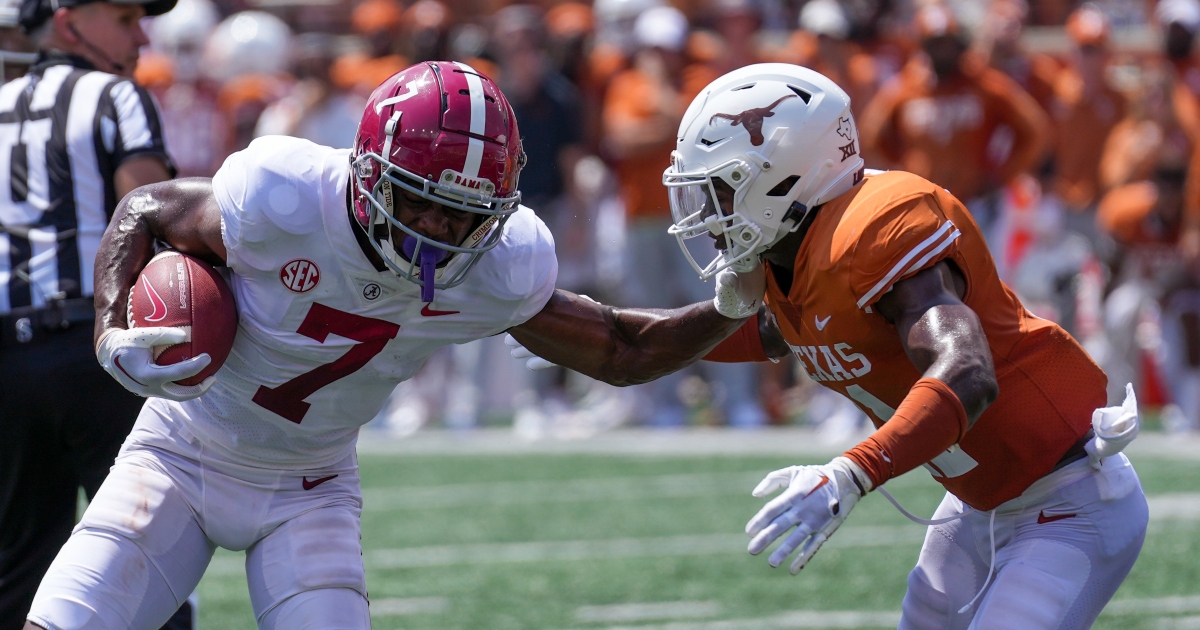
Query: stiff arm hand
<point>815,501</point>
<point>740,293</point>
<point>128,355</point>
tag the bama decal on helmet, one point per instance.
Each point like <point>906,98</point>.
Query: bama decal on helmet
<point>752,119</point>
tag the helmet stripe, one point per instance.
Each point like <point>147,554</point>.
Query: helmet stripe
<point>478,121</point>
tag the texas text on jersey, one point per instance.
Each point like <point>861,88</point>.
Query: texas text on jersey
<point>887,229</point>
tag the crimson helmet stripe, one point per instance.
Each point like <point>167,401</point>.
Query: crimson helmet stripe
<point>478,120</point>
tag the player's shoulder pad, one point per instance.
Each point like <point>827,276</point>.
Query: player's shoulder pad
<point>895,227</point>
<point>523,265</point>
<point>273,184</point>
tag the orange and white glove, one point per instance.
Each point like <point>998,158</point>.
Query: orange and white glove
<point>816,501</point>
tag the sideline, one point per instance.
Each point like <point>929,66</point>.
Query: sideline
<point>682,442</point>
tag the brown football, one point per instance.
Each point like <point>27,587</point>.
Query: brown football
<point>182,291</point>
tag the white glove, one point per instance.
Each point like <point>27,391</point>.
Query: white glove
<point>739,293</point>
<point>521,353</point>
<point>817,500</point>
<point>1115,428</point>
<point>128,355</point>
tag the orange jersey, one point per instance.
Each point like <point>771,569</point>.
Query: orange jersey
<point>883,231</point>
<point>942,130</point>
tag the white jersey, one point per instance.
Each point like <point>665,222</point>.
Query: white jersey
<point>324,337</point>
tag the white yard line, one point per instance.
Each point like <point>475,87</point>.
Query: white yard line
<point>794,619</point>
<point>1177,623</point>
<point>564,491</point>
<point>1155,605</point>
<point>575,550</point>
<point>1176,506</point>
<point>625,613</point>
<point>396,606</point>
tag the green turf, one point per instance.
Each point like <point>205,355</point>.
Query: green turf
<point>452,501</point>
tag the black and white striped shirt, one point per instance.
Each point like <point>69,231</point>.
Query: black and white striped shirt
<point>64,129</point>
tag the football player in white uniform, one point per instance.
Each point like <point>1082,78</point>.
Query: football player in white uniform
<point>349,267</point>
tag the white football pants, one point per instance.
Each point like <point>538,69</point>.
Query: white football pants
<point>148,537</point>
<point>1062,549</point>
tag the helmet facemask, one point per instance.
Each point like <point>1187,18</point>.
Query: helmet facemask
<point>424,261</point>
<point>696,211</point>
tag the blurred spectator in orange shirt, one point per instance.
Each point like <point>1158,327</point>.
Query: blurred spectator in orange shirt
<point>1085,109</point>
<point>1148,136</point>
<point>999,43</point>
<point>379,23</point>
<point>194,127</point>
<point>642,111</point>
<point>738,23</point>
<point>822,44</point>
<point>1181,21</point>
<point>1153,309</point>
<point>939,117</point>
<point>248,54</point>
<point>314,108</point>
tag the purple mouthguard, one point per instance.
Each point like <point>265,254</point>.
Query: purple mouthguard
<point>431,255</point>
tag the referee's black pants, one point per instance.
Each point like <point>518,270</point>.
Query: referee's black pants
<point>62,421</point>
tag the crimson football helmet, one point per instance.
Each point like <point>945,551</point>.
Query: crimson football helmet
<point>443,131</point>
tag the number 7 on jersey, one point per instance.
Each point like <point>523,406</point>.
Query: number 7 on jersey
<point>287,400</point>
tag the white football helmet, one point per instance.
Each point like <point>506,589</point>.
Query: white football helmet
<point>782,137</point>
<point>249,42</point>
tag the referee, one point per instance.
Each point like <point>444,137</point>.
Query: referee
<point>76,135</point>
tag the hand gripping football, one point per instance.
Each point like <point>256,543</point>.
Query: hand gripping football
<point>180,291</point>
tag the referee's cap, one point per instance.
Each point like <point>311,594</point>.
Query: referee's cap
<point>34,13</point>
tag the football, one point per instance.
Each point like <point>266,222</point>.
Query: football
<point>182,291</point>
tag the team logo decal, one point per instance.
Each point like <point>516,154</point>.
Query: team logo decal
<point>848,151</point>
<point>371,291</point>
<point>752,119</point>
<point>844,129</point>
<point>160,306</point>
<point>300,275</point>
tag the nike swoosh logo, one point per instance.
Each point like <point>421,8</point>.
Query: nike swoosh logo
<point>428,311</point>
<point>309,485</point>
<point>824,480</point>
<point>117,362</point>
<point>160,307</point>
<point>822,322</point>
<point>1043,519</point>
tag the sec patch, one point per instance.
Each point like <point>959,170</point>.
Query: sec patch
<point>300,275</point>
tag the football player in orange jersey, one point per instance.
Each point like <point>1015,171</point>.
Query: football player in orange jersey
<point>881,284</point>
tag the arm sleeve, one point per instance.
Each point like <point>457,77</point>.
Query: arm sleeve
<point>902,238</point>
<point>138,125</point>
<point>930,420</point>
<point>743,346</point>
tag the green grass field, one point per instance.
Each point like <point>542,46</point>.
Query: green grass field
<point>640,541</point>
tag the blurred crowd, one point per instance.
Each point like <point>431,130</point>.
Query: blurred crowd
<point>1070,130</point>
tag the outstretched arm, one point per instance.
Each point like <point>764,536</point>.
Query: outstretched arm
<point>622,346</point>
<point>181,213</point>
